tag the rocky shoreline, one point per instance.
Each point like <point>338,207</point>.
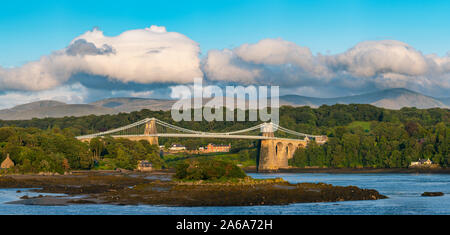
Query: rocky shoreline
<point>157,189</point>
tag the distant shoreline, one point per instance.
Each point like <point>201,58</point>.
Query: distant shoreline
<point>356,170</point>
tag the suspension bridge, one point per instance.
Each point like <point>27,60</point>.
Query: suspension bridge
<point>274,152</point>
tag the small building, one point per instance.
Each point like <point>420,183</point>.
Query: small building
<point>421,162</point>
<point>214,148</point>
<point>177,147</point>
<point>321,139</point>
<point>144,165</point>
<point>7,163</point>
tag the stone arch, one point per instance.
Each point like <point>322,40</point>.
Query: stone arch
<point>279,150</point>
<point>290,150</point>
<point>301,145</point>
<point>282,154</point>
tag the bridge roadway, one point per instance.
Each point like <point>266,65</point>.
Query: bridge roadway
<point>221,136</point>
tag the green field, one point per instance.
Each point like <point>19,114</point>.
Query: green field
<point>364,125</point>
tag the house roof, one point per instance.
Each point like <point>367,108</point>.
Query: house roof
<point>423,160</point>
<point>220,145</point>
<point>7,163</point>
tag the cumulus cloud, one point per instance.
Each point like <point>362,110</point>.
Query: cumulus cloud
<point>280,52</point>
<point>368,65</point>
<point>151,62</point>
<point>82,47</point>
<point>227,66</point>
<point>270,61</point>
<point>142,56</point>
<point>370,58</point>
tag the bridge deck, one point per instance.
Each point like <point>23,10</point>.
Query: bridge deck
<point>220,136</point>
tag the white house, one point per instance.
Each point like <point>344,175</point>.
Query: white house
<point>177,147</point>
<point>422,162</point>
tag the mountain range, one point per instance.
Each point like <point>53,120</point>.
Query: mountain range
<point>396,98</point>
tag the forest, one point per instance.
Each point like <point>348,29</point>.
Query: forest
<point>359,136</point>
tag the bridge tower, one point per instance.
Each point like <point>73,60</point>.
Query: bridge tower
<point>267,154</point>
<point>150,129</point>
<point>275,153</point>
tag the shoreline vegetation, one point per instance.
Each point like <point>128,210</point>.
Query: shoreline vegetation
<point>159,188</point>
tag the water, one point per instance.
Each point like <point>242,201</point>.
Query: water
<point>403,191</point>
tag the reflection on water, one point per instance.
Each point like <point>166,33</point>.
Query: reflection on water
<point>403,190</point>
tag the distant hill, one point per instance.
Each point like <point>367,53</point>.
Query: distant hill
<point>396,98</point>
<point>391,99</point>
<point>37,104</point>
<point>134,104</point>
<point>52,109</point>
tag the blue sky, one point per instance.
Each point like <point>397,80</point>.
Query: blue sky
<point>30,29</point>
<point>81,51</point>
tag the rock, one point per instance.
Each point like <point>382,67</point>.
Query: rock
<point>82,201</point>
<point>122,170</point>
<point>432,194</point>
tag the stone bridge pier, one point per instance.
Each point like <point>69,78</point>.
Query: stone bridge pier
<point>150,129</point>
<point>275,153</point>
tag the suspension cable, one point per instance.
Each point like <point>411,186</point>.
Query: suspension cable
<point>126,129</point>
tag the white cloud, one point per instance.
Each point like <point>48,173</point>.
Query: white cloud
<point>136,94</point>
<point>225,66</point>
<point>370,58</point>
<point>369,64</point>
<point>155,56</point>
<point>280,52</point>
<point>270,61</point>
<point>143,56</point>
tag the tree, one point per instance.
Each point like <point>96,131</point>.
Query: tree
<point>412,128</point>
<point>208,169</point>
<point>123,160</point>
<point>65,164</point>
<point>96,146</point>
<point>300,158</point>
<point>395,160</point>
